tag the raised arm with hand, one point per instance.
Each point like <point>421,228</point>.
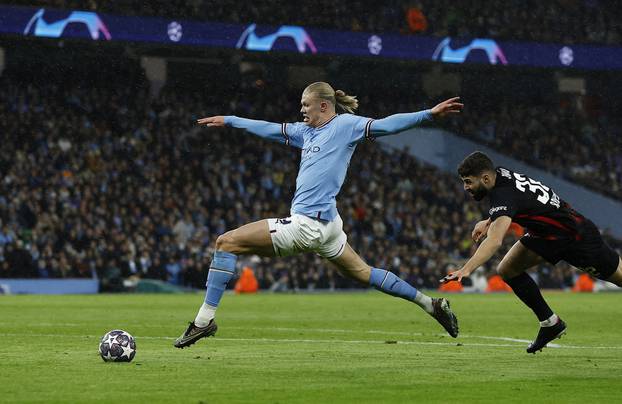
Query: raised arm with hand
<point>400,122</point>
<point>267,130</point>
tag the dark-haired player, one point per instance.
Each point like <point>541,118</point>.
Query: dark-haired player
<point>555,232</point>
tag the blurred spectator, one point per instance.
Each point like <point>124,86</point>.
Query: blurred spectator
<point>138,190</point>
<point>417,22</point>
<point>562,139</point>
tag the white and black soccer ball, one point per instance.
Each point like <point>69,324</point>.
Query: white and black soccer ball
<point>117,346</point>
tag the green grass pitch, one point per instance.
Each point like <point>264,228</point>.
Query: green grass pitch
<point>318,348</point>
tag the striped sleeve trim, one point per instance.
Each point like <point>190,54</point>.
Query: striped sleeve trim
<point>368,130</point>
<point>284,133</point>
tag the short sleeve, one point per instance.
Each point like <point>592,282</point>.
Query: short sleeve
<point>359,128</point>
<point>293,133</point>
<point>503,202</point>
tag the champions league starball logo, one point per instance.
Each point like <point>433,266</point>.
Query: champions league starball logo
<point>374,44</point>
<point>566,56</point>
<point>38,26</point>
<point>174,31</point>
<point>445,53</point>
<point>251,41</point>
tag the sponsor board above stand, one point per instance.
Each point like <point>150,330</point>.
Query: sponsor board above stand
<point>53,23</point>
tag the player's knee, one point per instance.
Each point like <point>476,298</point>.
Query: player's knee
<point>226,242</point>
<point>616,278</point>
<point>505,272</point>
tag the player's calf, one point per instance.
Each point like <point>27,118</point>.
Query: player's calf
<point>391,284</point>
<point>360,274</point>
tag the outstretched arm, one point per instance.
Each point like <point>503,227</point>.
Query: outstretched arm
<point>267,130</point>
<point>401,122</point>
<point>488,248</point>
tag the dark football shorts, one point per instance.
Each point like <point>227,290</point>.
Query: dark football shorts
<point>589,254</point>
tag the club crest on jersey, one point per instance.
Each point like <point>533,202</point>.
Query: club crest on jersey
<point>497,209</point>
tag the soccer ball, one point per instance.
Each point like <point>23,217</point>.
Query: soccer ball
<point>117,346</point>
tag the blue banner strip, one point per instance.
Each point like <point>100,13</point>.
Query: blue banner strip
<point>48,286</point>
<point>54,23</point>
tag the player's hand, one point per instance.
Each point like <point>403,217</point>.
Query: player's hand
<point>480,230</point>
<point>456,275</point>
<point>447,107</point>
<point>218,120</point>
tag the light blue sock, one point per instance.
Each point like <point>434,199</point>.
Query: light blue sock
<point>391,284</point>
<point>220,273</point>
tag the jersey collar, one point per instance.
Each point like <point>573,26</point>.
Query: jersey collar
<point>327,122</point>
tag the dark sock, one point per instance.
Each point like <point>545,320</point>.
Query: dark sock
<point>526,289</point>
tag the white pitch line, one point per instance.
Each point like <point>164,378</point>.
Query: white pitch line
<point>280,340</point>
<point>8,323</point>
<point>326,341</point>
<point>329,341</point>
<point>330,330</point>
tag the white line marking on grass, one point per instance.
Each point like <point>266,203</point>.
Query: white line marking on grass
<point>498,338</point>
<point>336,341</point>
<point>46,324</point>
<point>336,331</point>
<point>318,330</point>
<point>323,341</point>
<point>332,330</point>
<point>278,340</point>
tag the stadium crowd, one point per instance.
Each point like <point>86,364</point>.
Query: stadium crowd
<point>566,21</point>
<point>100,179</point>
<point>564,138</point>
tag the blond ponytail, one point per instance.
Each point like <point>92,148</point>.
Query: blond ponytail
<point>346,102</point>
<point>339,98</point>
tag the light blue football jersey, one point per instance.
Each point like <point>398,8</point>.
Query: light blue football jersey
<point>326,152</point>
<point>325,156</point>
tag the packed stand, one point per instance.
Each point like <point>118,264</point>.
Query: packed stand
<point>565,21</point>
<point>566,139</point>
<point>100,180</point>
<point>113,185</point>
